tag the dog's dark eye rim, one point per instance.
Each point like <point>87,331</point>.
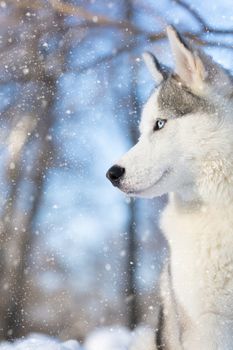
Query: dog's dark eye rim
<point>159,124</point>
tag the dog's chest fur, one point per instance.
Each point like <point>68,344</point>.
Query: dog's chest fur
<point>201,245</point>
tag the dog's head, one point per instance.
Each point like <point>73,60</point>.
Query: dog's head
<point>182,125</point>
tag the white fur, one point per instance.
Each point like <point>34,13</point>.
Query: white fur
<point>192,159</point>
<point>143,339</point>
<point>201,241</point>
<point>149,60</point>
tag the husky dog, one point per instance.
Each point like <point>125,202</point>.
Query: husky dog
<point>186,149</point>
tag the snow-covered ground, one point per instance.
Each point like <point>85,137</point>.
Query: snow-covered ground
<point>115,338</point>
<point>40,342</point>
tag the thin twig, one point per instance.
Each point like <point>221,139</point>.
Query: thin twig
<point>194,13</point>
<point>206,28</point>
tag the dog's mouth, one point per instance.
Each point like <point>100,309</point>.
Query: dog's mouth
<point>146,189</point>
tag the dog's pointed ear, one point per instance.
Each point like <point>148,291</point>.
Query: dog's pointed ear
<point>158,72</point>
<point>188,64</point>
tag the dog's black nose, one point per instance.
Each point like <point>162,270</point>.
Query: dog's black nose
<point>115,173</point>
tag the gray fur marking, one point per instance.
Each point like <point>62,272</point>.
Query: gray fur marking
<point>175,100</point>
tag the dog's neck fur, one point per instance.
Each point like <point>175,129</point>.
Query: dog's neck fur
<point>212,196</point>
<point>214,184</point>
<point>193,205</point>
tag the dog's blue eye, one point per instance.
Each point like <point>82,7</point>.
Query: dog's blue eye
<point>159,124</point>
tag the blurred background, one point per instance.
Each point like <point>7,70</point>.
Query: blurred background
<point>75,253</point>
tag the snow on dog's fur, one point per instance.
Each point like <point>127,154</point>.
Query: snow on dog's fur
<point>186,149</point>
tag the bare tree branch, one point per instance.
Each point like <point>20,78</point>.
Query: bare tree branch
<point>129,48</point>
<point>204,26</point>
<point>189,8</point>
